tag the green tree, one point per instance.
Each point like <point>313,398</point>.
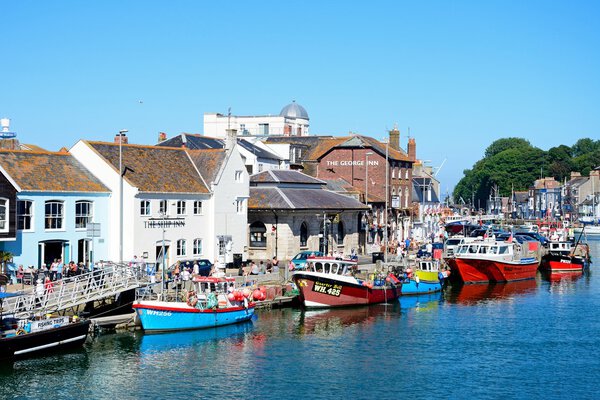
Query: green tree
<point>504,144</point>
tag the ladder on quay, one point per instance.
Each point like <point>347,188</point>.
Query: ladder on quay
<point>71,292</point>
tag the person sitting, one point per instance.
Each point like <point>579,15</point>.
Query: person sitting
<point>254,268</point>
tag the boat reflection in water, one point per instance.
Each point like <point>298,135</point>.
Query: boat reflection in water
<point>561,276</point>
<point>482,293</point>
<point>181,340</point>
<point>333,321</point>
<point>421,302</point>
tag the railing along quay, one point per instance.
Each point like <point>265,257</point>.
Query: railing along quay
<point>74,291</point>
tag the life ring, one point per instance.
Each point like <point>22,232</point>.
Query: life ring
<point>192,301</point>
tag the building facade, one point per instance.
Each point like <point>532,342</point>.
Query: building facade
<point>49,199</point>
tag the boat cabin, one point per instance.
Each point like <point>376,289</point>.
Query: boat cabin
<point>330,266</point>
<point>485,249</point>
<point>560,247</point>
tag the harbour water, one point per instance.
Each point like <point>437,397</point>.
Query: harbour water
<point>530,340</point>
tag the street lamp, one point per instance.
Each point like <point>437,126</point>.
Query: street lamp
<point>387,195</point>
<point>163,216</point>
<point>122,133</point>
<point>367,154</point>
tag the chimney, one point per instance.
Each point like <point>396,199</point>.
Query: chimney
<point>395,139</point>
<point>575,174</point>
<point>231,138</point>
<point>162,137</point>
<point>412,149</point>
<point>121,138</point>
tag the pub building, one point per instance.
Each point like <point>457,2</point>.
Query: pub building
<point>192,203</point>
<point>362,161</point>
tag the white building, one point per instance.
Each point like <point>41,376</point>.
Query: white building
<point>291,121</point>
<point>193,200</point>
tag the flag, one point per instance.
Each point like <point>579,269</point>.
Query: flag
<point>510,238</point>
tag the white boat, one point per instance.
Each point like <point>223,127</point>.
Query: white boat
<point>590,230</point>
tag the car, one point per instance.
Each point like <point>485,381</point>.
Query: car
<point>536,236</point>
<point>299,259</point>
<point>205,266</point>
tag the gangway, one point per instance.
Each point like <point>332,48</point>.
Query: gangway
<point>109,280</point>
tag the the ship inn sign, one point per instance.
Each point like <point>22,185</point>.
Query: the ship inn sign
<point>164,223</point>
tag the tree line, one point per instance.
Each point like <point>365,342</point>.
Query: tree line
<point>514,164</point>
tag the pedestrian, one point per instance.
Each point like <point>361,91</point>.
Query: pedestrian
<point>254,268</point>
<point>59,269</point>
<point>275,265</point>
<point>54,269</point>
<point>195,269</point>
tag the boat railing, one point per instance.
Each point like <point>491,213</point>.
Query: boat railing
<point>71,292</point>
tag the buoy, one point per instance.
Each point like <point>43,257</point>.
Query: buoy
<point>263,289</point>
<point>231,296</point>
<point>246,292</point>
<point>388,279</point>
<point>370,285</point>
<point>256,295</point>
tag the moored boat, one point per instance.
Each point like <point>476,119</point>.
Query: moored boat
<point>212,302</point>
<point>21,338</point>
<point>492,261</point>
<point>425,278</point>
<point>565,257</point>
<point>329,282</point>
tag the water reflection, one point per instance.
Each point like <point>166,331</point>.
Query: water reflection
<point>421,302</point>
<point>482,293</point>
<point>561,276</point>
<point>333,321</point>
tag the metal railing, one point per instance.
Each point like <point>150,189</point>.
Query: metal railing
<point>74,291</point>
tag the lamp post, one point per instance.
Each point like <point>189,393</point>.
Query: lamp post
<point>163,215</point>
<point>387,195</point>
<point>367,154</point>
<point>122,133</point>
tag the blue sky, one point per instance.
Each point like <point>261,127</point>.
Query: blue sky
<point>459,74</point>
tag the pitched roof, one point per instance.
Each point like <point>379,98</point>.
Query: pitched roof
<point>208,162</point>
<point>197,141</point>
<point>48,172</point>
<point>269,198</point>
<point>284,176</point>
<point>356,141</point>
<point>154,168</point>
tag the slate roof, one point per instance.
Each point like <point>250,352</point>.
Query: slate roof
<point>273,198</point>
<point>154,169</point>
<point>197,142</point>
<point>48,172</point>
<point>355,141</point>
<point>208,162</point>
<point>284,176</point>
<point>417,194</point>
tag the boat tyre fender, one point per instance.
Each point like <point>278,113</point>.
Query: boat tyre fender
<point>192,300</point>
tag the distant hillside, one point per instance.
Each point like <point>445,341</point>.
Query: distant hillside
<point>515,163</point>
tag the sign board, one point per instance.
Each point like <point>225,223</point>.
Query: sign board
<point>93,229</point>
<point>395,201</point>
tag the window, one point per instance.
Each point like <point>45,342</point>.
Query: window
<point>181,247</point>
<point>197,250</point>
<point>258,234</point>
<point>393,171</point>
<point>405,197</point>
<point>260,167</point>
<point>406,173</point>
<point>197,207</point>
<point>243,129</point>
<point>4,215</point>
<point>238,176</point>
<point>303,234</point>
<point>145,207</point>
<point>340,233</point>
<point>83,214</point>
<point>24,215</point>
<point>163,207</point>
<point>263,129</point>
<point>239,204</point>
<point>181,207</point>
<point>54,214</point>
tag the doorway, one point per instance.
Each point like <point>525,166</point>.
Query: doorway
<point>51,250</point>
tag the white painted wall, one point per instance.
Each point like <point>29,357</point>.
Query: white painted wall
<point>216,125</point>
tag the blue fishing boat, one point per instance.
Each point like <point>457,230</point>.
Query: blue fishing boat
<point>425,278</point>
<point>211,303</point>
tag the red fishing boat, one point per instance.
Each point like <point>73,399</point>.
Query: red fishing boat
<point>565,258</point>
<point>492,261</point>
<point>329,282</point>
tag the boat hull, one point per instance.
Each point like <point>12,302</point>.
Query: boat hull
<point>562,263</point>
<point>43,342</point>
<point>162,316</point>
<point>482,271</point>
<point>322,292</point>
<point>411,287</point>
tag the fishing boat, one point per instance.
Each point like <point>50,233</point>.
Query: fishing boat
<point>565,257</point>
<point>212,302</point>
<point>591,230</point>
<point>489,260</point>
<point>25,338</point>
<point>330,282</point>
<point>425,278</point>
